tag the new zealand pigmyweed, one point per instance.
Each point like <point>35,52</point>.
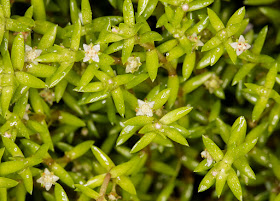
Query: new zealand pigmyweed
<point>139,100</point>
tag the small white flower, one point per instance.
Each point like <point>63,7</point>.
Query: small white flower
<point>185,7</point>
<point>159,112</point>
<point>31,54</point>
<point>176,35</point>
<point>47,179</point>
<point>240,46</point>
<point>110,81</point>
<point>205,154</point>
<point>133,64</point>
<point>24,34</point>
<point>213,83</point>
<point>115,30</point>
<point>81,18</point>
<point>48,95</point>
<point>158,126</point>
<point>113,196</point>
<point>214,173</point>
<point>145,108</point>
<point>91,52</point>
<point>7,135</point>
<point>84,131</point>
<point>25,116</point>
<point>195,39</point>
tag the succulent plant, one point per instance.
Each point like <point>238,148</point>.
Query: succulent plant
<point>139,100</point>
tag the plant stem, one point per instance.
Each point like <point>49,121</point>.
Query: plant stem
<point>104,187</point>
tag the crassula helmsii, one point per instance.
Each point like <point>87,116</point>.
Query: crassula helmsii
<point>131,100</point>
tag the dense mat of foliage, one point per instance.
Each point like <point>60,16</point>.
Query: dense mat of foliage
<point>139,100</point>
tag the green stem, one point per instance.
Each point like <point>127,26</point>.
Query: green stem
<point>104,187</point>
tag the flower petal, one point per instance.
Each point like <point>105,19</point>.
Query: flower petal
<point>28,48</point>
<point>86,47</point>
<point>241,39</point>
<point>234,45</point>
<point>96,48</point>
<point>86,58</point>
<point>139,113</point>
<point>48,186</point>
<point>95,58</point>
<point>38,52</point>
<point>46,171</point>
<point>239,51</point>
<point>140,102</point>
<point>151,104</point>
<point>55,178</point>
<point>247,46</point>
<point>199,43</point>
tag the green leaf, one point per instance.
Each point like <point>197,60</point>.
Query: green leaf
<point>87,191</point>
<point>123,168</point>
<point>224,129</point>
<point>243,71</point>
<point>188,65</point>
<point>161,98</point>
<point>70,119</point>
<point>79,150</point>
<point>63,175</point>
<point>29,80</point>
<point>259,42</point>
<point>163,168</point>
<point>243,166</point>
<point>17,53</point>
<point>221,181</point>
<point>60,194</point>
<point>213,149</point>
<point>95,181</point>
<point>102,158</point>
<point>210,44</point>
<point>175,135</point>
<point>196,81</point>
<point>167,191</point>
<point>128,13</point>
<point>173,84</point>
<point>61,72</point>
<point>258,2</point>
<point>86,12</point>
<point>152,63</point>
<point>275,165</point>
<point>7,183</point>
<point>48,38</point>
<point>215,20</point>
<point>139,121</point>
<point>207,181</point>
<point>9,167</point>
<point>238,131</point>
<point>143,142</point>
<point>126,184</point>
<point>126,133</point>
<point>199,4</point>
<point>127,49</point>
<point>234,184</point>
<point>150,36</point>
<point>174,115</point>
<point>119,100</point>
<point>27,178</point>
<point>202,166</point>
<point>231,52</point>
<point>237,17</point>
<point>12,147</point>
<point>142,4</point>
